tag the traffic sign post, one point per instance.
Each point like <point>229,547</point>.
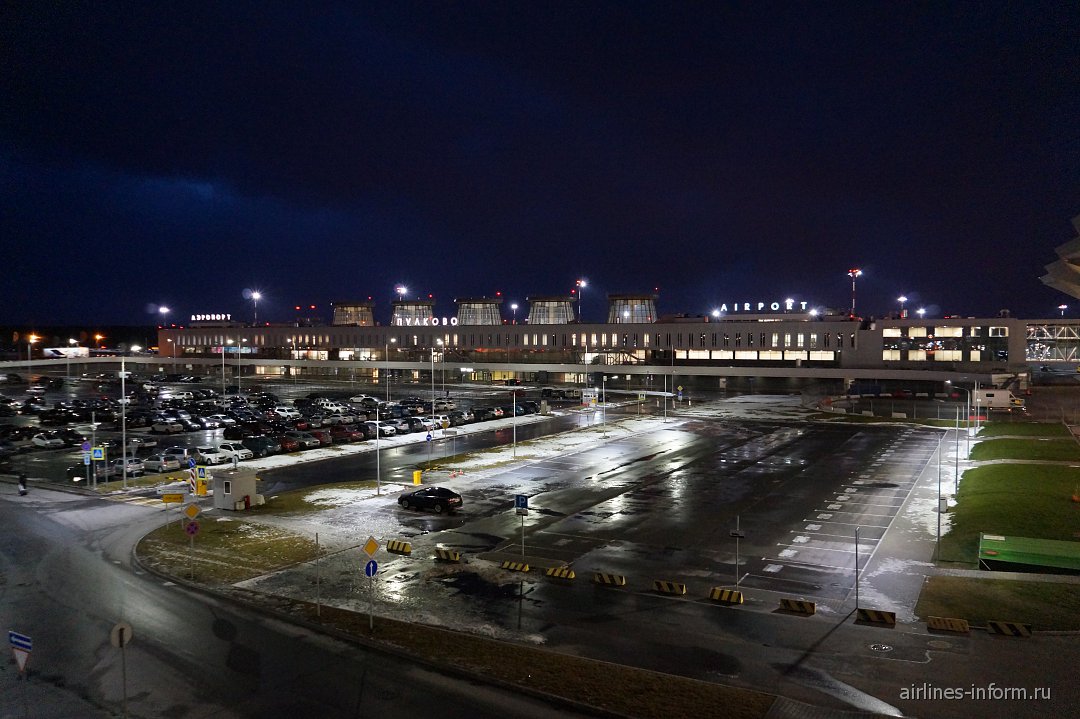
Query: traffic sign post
<point>192,528</point>
<point>21,646</point>
<point>521,506</point>
<point>370,570</point>
<point>737,534</point>
<point>120,637</point>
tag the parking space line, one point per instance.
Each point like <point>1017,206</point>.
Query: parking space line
<point>822,549</point>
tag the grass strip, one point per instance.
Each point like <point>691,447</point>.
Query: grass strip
<point>1044,605</point>
<point>223,552</point>
<point>1018,500</point>
<point>1024,429</point>
<point>1057,450</point>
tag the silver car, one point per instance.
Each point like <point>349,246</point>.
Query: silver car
<point>162,463</point>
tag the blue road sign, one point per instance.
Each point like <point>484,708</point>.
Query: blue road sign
<point>85,446</point>
<point>521,501</point>
<point>191,462</point>
<point>371,568</point>
<point>429,436</point>
<point>98,453</point>
<point>86,459</point>
<point>20,641</point>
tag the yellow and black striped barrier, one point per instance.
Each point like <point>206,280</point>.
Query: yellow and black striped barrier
<point>947,624</point>
<point>560,572</point>
<point>396,546</point>
<point>1009,629</point>
<point>447,555</point>
<point>516,566</point>
<point>798,606</point>
<point>726,596</point>
<point>614,580</point>
<point>666,587</point>
<point>876,617</point>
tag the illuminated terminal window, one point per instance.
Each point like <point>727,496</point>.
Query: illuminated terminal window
<point>889,355</point>
<point>891,332</point>
<point>916,331</point>
<point>771,355</point>
<point>999,331</point>
<point>948,331</point>
<point>949,355</point>
<point>917,355</point>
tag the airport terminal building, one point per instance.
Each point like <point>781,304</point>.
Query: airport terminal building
<point>779,339</point>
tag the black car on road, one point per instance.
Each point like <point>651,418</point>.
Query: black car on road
<point>439,499</point>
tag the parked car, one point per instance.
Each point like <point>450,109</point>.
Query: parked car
<point>288,444</point>
<point>262,445</point>
<point>345,433</point>
<point>401,425</point>
<point>235,450</point>
<point>324,436</point>
<point>438,499</point>
<point>239,432</point>
<point>223,420</point>
<point>135,467</point>
<point>305,440</point>
<point>415,424</point>
<point>167,427</point>
<point>162,463</point>
<point>46,441</point>
<point>209,456</point>
<point>286,412</point>
<point>382,429</point>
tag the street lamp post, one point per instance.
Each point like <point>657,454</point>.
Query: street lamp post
<point>255,297</point>
<point>71,343</point>
<point>854,273</point>
<point>1062,308</point>
<point>603,401</point>
<point>581,284</point>
<point>386,358</point>
<point>902,300</point>
<point>514,307</point>
<point>226,343</point>
<point>29,356</point>
<point>378,453</point>
<point>123,414</point>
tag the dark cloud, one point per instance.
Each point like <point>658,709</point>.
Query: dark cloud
<point>328,151</point>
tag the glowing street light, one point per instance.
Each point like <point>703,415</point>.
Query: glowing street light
<point>921,312</point>
<point>514,308</point>
<point>1063,308</point>
<point>902,300</point>
<point>854,273</point>
<point>716,314</point>
<point>255,297</point>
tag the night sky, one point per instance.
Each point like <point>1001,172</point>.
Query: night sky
<point>713,152</point>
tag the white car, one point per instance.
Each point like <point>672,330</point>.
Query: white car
<point>44,440</point>
<point>167,427</point>
<point>286,412</point>
<point>210,456</point>
<point>235,449</point>
<point>224,420</point>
